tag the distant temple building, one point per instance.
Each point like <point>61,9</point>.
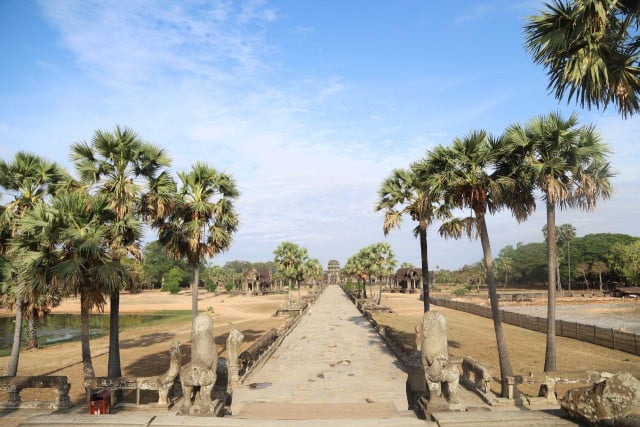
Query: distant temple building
<point>333,272</point>
<point>256,280</point>
<point>408,279</point>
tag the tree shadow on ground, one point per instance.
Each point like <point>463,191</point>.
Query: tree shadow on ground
<point>146,340</point>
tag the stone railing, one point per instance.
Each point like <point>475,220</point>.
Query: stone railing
<point>14,385</point>
<point>477,378</point>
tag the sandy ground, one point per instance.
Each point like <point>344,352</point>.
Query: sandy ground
<point>474,336</point>
<point>144,351</point>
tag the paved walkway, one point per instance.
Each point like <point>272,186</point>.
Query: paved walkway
<point>333,357</point>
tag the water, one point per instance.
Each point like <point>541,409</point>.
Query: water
<point>66,327</point>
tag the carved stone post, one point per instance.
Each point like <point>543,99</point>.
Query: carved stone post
<point>233,348</point>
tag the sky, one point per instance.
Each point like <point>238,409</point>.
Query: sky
<point>309,105</point>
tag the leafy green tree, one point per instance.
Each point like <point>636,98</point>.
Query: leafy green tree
<point>28,179</point>
<point>124,167</point>
<point>568,164</point>
<point>172,280</point>
<point>504,263</point>
<point>590,50</point>
<point>203,221</point>
<point>355,267</point>
<point>403,193</point>
<point>625,259</point>
<point>467,176</point>
<point>156,262</point>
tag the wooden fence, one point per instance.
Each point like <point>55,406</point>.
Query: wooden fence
<point>611,338</point>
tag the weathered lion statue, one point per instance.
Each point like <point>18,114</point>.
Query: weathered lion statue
<point>431,341</point>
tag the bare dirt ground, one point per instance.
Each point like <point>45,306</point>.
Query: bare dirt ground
<point>144,351</point>
<point>471,335</point>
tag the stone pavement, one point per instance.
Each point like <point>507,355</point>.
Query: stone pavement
<point>332,356</point>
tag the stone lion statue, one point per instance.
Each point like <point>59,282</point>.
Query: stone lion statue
<point>431,341</point>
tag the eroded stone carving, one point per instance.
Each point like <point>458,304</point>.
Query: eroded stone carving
<point>234,341</point>
<point>162,383</point>
<point>201,370</point>
<point>431,341</point>
<point>610,401</point>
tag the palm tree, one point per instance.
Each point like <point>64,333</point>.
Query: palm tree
<point>591,51</point>
<point>401,193</point>
<point>203,220</point>
<point>355,267</point>
<point>28,179</point>
<point>568,164</point>
<point>290,258</point>
<point>465,174</point>
<point>79,230</point>
<point>379,262</point>
<point>122,165</point>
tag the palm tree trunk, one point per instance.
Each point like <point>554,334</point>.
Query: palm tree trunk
<point>299,295</point>
<point>289,302</point>
<point>114,369</point>
<point>12,368</point>
<point>87,364</point>
<point>552,259</point>
<point>424,264</point>
<point>32,330</point>
<point>194,292</point>
<point>503,351</point>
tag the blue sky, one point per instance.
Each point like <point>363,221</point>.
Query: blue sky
<point>308,104</point>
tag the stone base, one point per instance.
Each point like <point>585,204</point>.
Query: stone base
<point>438,404</point>
<point>213,409</point>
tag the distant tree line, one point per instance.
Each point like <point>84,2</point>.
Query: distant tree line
<point>592,261</point>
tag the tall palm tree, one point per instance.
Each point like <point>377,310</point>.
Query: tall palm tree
<point>568,165</point>
<point>591,51</point>
<point>290,259</point>
<point>401,193</point>
<point>81,261</point>
<point>465,174</point>
<point>203,220</point>
<point>125,167</point>
<point>28,178</point>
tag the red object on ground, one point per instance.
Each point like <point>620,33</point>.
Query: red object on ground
<point>100,403</point>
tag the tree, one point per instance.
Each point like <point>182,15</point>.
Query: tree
<point>402,193</point>
<point>625,259</point>
<point>28,179</point>
<point>504,263</point>
<point>313,271</point>
<point>119,164</point>
<point>582,270</point>
<point>599,268</point>
<point>203,220</point>
<point>566,233</point>
<point>590,50</point>
<point>379,262</point>
<point>465,174</point>
<point>290,259</point>
<point>84,228</point>
<point>568,164</point>
<point>355,267</point>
